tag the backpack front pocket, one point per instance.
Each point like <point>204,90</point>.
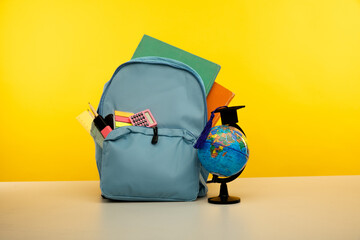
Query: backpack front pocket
<point>133,169</point>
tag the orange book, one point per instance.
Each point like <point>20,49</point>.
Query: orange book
<point>217,97</point>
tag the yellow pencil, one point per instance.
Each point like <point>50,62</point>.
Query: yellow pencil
<point>93,110</point>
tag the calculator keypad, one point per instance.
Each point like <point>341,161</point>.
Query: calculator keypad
<point>139,119</point>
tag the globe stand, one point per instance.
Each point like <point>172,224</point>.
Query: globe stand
<point>224,197</point>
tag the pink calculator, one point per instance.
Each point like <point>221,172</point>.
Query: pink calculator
<point>143,118</point>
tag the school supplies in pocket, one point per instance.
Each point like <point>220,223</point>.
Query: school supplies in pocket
<point>122,119</point>
<point>100,123</point>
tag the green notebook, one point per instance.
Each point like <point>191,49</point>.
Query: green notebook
<point>149,46</point>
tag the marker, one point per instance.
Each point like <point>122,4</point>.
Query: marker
<point>100,123</point>
<point>123,114</point>
<point>122,119</point>
<point>109,119</point>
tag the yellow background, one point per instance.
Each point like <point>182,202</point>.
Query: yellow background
<point>294,64</point>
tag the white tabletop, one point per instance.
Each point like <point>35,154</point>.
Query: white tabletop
<point>270,208</point>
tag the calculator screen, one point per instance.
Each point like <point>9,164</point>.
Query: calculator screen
<point>147,115</point>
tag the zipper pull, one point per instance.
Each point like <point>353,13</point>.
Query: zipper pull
<point>155,137</point>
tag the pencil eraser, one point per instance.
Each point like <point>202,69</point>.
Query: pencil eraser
<point>106,131</point>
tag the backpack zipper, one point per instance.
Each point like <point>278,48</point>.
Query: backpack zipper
<point>155,136</point>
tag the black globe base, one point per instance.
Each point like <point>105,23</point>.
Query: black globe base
<point>227,200</point>
<point>224,197</point>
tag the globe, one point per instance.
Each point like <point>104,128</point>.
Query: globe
<point>225,151</point>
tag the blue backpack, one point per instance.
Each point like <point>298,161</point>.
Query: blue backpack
<point>130,166</point>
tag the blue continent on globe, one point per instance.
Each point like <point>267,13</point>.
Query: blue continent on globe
<point>225,151</point>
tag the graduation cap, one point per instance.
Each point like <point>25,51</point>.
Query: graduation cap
<point>228,117</point>
<point>228,114</point>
